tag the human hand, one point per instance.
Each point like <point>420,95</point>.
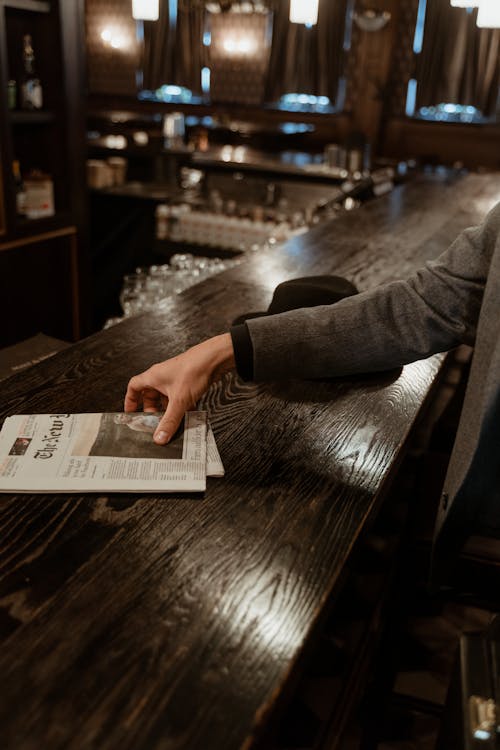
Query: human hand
<point>176,384</point>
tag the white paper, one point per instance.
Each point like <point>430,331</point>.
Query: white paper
<point>108,452</point>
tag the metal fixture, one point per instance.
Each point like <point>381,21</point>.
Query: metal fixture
<point>371,19</point>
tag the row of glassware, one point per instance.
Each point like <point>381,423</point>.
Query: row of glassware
<point>179,223</point>
<point>148,287</point>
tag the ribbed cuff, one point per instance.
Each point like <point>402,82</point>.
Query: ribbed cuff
<point>243,351</point>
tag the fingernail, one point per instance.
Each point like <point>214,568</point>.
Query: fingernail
<point>161,437</point>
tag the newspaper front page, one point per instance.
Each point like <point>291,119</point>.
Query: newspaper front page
<point>108,452</point>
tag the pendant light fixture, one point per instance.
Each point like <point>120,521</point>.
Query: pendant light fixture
<point>489,14</point>
<point>304,11</point>
<point>146,10</point>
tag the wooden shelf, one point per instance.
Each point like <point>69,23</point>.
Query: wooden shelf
<point>43,234</point>
<point>48,140</point>
<point>20,117</point>
<point>43,223</point>
<point>31,230</point>
<point>36,6</point>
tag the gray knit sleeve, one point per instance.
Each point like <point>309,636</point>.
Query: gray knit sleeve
<point>434,310</point>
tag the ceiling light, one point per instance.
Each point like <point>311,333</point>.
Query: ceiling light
<point>304,11</point>
<point>145,10</point>
<point>489,14</point>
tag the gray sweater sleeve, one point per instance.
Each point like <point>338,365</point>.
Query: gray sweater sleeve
<point>433,311</point>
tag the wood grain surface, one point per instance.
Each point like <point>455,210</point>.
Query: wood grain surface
<point>176,622</point>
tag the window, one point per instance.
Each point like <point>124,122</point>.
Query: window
<point>453,82</point>
<point>307,65</point>
<point>305,103</point>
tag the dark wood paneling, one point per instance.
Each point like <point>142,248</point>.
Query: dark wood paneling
<point>42,294</point>
<point>444,143</point>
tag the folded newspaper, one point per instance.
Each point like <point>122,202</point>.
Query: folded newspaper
<point>108,452</point>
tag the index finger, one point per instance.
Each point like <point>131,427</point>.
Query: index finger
<point>133,396</point>
<point>170,421</point>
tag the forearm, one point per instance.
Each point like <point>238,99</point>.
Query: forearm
<point>217,355</point>
<point>435,310</point>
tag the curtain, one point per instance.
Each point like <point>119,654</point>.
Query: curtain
<point>189,50</point>
<point>459,63</point>
<point>307,61</point>
<point>159,44</point>
<point>174,55</point>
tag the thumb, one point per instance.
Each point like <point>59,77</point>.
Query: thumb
<point>169,423</point>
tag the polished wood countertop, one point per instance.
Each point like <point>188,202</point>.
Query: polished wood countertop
<point>178,621</point>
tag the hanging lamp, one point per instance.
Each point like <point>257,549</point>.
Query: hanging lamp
<point>146,10</point>
<point>489,14</point>
<point>304,11</point>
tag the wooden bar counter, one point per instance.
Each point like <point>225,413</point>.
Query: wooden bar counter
<point>179,621</point>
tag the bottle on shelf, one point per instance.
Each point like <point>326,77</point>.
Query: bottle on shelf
<point>31,88</point>
<point>20,189</point>
<point>11,94</point>
<point>39,189</point>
